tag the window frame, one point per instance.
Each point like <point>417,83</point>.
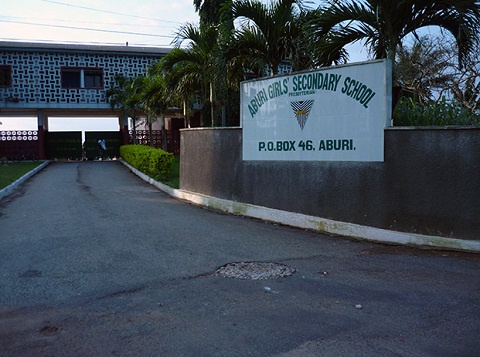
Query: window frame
<point>83,72</point>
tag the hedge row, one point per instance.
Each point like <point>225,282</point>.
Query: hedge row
<point>155,163</point>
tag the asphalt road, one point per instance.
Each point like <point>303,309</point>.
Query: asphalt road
<point>93,261</point>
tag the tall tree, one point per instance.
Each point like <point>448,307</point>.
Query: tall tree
<point>429,70</point>
<point>155,98</point>
<point>196,67</point>
<point>214,12</point>
<point>383,24</point>
<point>269,34</point>
<point>424,69</point>
<point>124,96</point>
<point>465,85</point>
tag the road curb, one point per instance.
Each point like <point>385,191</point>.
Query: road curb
<point>321,225</point>
<point>13,186</point>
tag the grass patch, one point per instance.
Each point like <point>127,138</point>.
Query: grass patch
<point>173,179</point>
<point>12,171</point>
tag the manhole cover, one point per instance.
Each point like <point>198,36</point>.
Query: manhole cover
<point>254,270</point>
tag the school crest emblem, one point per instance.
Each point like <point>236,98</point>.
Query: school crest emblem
<point>301,109</point>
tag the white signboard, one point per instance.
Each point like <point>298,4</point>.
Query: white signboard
<point>331,114</point>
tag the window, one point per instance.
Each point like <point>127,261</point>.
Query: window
<point>93,79</point>
<point>82,78</point>
<point>5,76</point>
<point>71,78</point>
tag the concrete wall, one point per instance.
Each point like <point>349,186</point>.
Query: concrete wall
<point>429,182</point>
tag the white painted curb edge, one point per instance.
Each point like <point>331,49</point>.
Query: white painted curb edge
<point>10,188</point>
<point>312,222</point>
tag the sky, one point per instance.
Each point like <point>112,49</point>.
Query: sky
<point>139,22</point>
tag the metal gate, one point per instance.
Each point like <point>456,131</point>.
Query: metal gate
<point>92,149</point>
<point>64,145</point>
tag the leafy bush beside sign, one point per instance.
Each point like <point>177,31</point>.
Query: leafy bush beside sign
<point>155,163</point>
<point>410,112</point>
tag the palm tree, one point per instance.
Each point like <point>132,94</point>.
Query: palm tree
<point>214,12</point>
<point>196,67</point>
<point>269,34</point>
<point>383,24</point>
<point>152,92</point>
<point>125,96</point>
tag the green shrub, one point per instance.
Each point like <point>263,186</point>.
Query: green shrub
<point>155,163</point>
<point>409,112</point>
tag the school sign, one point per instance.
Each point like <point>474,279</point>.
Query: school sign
<point>331,114</point>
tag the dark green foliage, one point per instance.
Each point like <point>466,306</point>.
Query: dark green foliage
<point>425,68</point>
<point>210,12</point>
<point>275,33</point>
<point>383,24</point>
<point>410,112</point>
<point>173,180</point>
<point>195,69</point>
<point>155,163</point>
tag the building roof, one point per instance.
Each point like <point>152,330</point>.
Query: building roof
<point>83,48</point>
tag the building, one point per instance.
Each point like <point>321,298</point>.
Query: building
<point>46,80</point>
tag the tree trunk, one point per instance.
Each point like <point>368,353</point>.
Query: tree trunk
<point>224,116</point>
<point>134,130</point>
<point>391,56</point>
<point>396,91</point>
<point>396,95</point>
<point>150,132</point>
<point>185,115</point>
<point>164,133</point>
<point>212,100</point>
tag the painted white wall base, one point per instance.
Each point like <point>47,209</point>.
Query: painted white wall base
<point>318,224</point>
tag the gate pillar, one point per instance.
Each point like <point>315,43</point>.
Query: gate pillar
<point>42,122</point>
<point>123,121</point>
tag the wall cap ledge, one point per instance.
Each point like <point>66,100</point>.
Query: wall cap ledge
<point>445,127</point>
<point>210,128</point>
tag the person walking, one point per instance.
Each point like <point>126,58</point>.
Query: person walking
<point>102,144</point>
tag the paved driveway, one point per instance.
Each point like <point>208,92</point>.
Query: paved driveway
<point>93,261</point>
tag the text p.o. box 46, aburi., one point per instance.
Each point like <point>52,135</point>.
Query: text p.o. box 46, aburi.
<point>331,114</point>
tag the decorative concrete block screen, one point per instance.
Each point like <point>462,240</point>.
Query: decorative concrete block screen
<point>36,75</point>
<point>172,137</point>
<point>14,141</point>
